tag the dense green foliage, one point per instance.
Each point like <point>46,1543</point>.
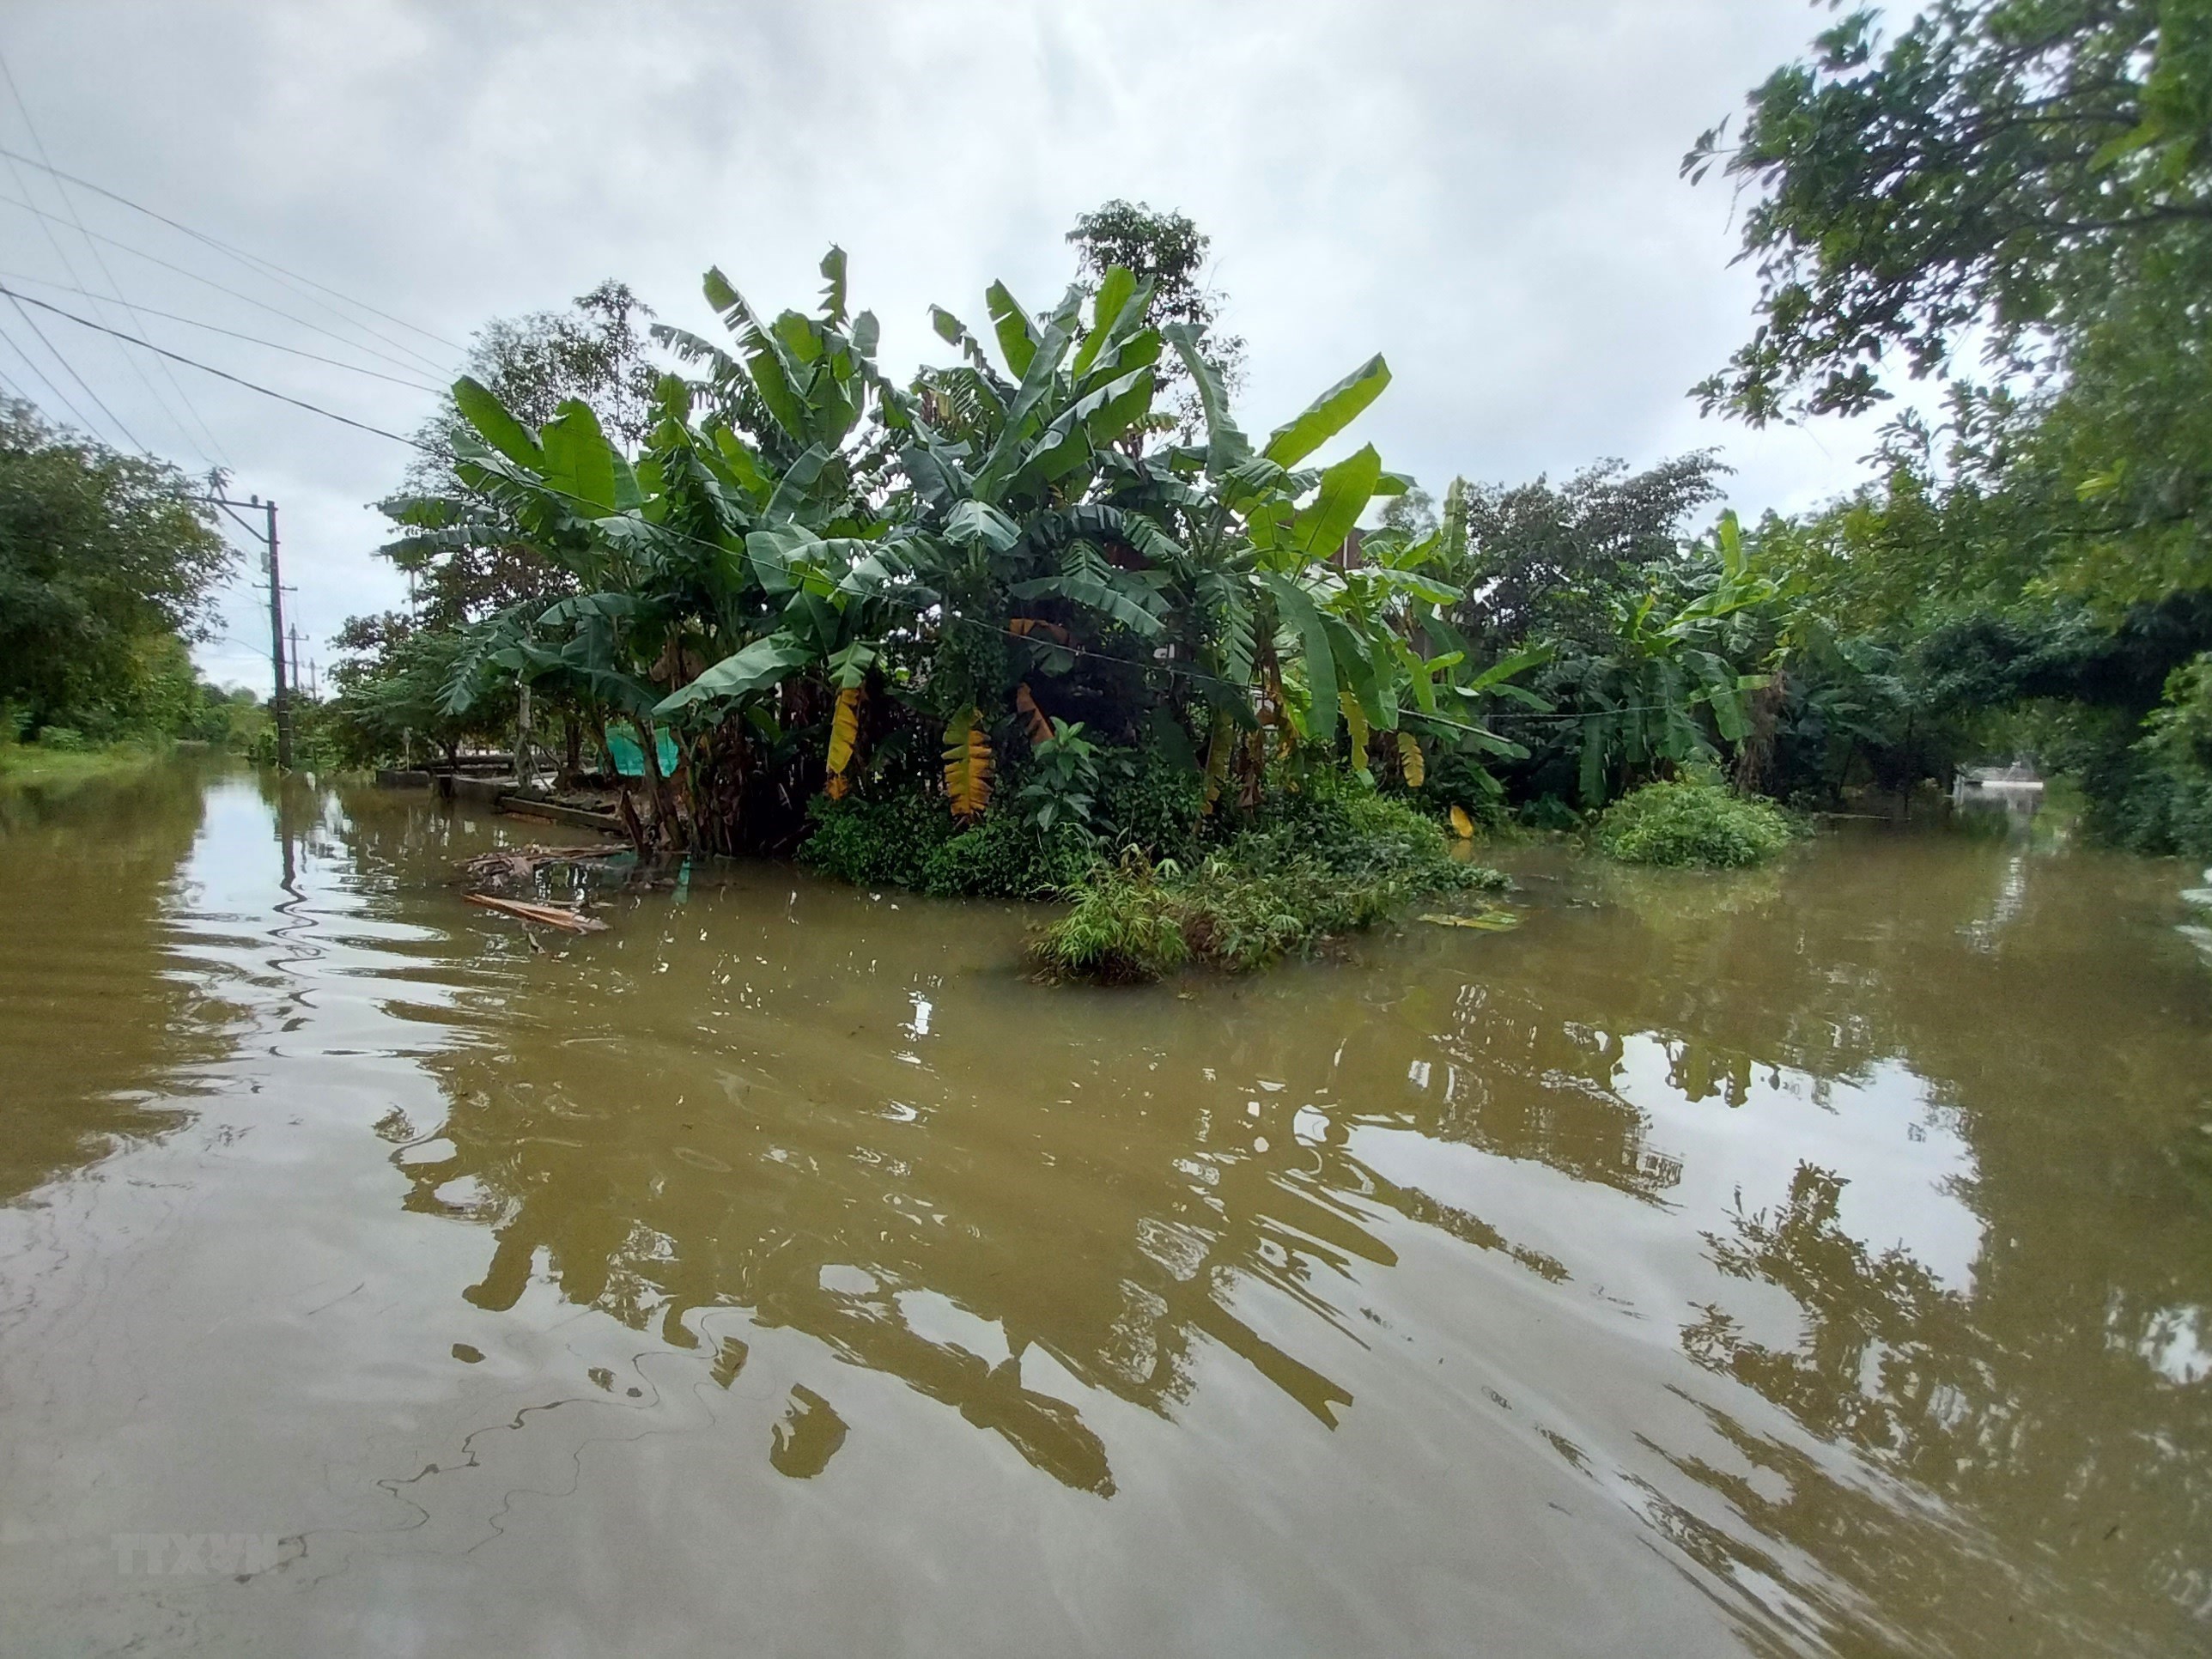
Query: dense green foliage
<point>595,350</point>
<point>1046,608</point>
<point>2035,168</point>
<point>108,566</point>
<point>911,841</point>
<point>1687,821</point>
<point>969,634</point>
<point>1332,862</point>
<point>2033,572</point>
<point>393,690</point>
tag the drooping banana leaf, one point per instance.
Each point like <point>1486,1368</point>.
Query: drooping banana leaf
<point>1327,415</point>
<point>1297,609</point>
<point>1227,447</point>
<point>764,663</point>
<point>484,410</point>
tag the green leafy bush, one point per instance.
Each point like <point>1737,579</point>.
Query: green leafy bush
<point>1005,857</point>
<point>1327,862</point>
<point>1126,927</point>
<point>2154,794</point>
<point>873,843</point>
<point>914,842</point>
<point>1686,823</point>
<point>1146,799</point>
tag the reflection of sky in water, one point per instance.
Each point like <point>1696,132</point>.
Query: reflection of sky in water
<point>2178,1346</point>
<point>1899,1151</point>
<point>2004,907</point>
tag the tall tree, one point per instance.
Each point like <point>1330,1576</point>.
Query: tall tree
<point>107,561</point>
<point>2019,168</point>
<point>1167,249</point>
<point>596,350</point>
<point>1544,561</point>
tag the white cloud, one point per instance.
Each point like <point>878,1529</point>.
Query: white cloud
<point>1487,192</point>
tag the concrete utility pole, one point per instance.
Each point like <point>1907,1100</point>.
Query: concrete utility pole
<point>280,701</point>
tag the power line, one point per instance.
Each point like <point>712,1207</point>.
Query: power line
<point>17,300</point>
<point>20,299</point>
<point>55,244</point>
<point>224,287</point>
<point>254,260</point>
<point>60,396</point>
<point>31,126</point>
<point>216,328</point>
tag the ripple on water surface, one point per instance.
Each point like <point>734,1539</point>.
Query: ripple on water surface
<point>1812,1261</point>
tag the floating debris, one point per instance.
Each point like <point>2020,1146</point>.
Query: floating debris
<point>1490,921</point>
<point>520,864</point>
<point>546,915</point>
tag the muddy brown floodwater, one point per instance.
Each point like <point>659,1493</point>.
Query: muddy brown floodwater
<point>1817,1261</point>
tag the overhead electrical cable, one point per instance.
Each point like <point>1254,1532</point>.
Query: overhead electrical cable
<point>21,300</point>
<point>213,448</point>
<point>135,367</point>
<point>60,396</point>
<point>267,267</point>
<point>216,328</point>
<point>55,351</point>
<point>224,287</point>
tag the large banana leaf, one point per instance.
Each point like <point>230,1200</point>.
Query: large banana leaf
<point>764,663</point>
<point>1346,488</point>
<point>481,409</point>
<point>1293,606</point>
<point>1328,414</point>
<point>1227,447</point>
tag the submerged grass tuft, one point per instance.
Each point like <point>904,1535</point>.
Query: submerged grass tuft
<point>1316,868</point>
<point>1692,823</point>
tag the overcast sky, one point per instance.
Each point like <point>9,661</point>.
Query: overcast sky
<point>1484,192</point>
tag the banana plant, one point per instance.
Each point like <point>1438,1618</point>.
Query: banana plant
<point>694,595</point>
<point>1667,688</point>
<point>1006,460</point>
<point>773,564</point>
<point>1328,638</point>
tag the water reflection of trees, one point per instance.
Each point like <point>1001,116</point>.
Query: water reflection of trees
<point>2056,1401</point>
<point>96,1018</point>
<point>1113,1260</point>
<point>658,1144</point>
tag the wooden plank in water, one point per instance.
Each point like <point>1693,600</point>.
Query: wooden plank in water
<point>548,916</point>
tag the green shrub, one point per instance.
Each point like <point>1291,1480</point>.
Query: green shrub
<point>1126,927</point>
<point>1149,801</point>
<point>876,843</point>
<point>2154,794</point>
<point>914,843</point>
<point>1686,822</point>
<point>1331,860</point>
<point>62,740</point>
<point>1006,857</point>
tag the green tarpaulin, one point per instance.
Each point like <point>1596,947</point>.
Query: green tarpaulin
<point>629,759</point>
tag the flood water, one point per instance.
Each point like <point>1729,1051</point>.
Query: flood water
<point>1814,1261</point>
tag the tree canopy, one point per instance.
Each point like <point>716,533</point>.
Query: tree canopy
<point>107,562</point>
<point>2016,170</point>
